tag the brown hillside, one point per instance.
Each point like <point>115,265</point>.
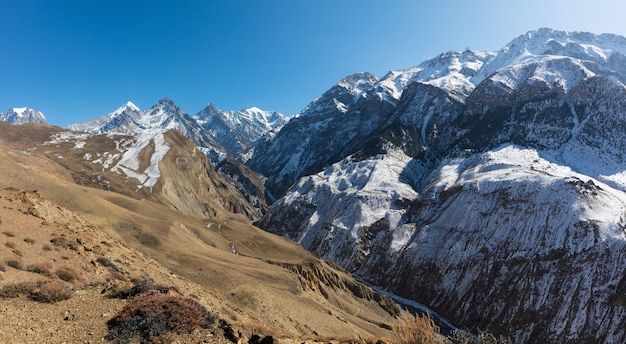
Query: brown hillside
<point>184,234</point>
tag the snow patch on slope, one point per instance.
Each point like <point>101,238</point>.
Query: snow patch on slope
<point>130,162</point>
<point>351,195</point>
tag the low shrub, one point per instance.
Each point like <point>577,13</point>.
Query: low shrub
<point>9,234</point>
<point>51,292</point>
<point>107,262</point>
<point>9,244</point>
<point>40,268</point>
<point>415,329</point>
<point>67,274</point>
<point>17,289</point>
<point>155,317</point>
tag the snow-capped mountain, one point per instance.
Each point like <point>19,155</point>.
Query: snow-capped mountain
<point>352,110</point>
<point>215,132</point>
<point>165,115</point>
<point>23,115</point>
<point>124,120</point>
<point>341,120</point>
<point>490,186</point>
<point>236,131</point>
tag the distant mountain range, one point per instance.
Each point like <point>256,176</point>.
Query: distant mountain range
<point>23,115</point>
<point>225,131</point>
<point>489,186</point>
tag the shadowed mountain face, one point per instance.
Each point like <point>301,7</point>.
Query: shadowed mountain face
<point>491,186</point>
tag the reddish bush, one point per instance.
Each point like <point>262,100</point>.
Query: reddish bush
<point>155,316</point>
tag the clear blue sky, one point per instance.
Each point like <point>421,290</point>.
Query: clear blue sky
<point>78,60</point>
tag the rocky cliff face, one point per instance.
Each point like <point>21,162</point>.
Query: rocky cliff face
<point>494,195</point>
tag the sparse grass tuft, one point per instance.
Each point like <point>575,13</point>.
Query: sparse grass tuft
<point>51,292</point>
<point>29,240</point>
<point>9,244</point>
<point>154,316</point>
<point>9,234</point>
<point>415,329</point>
<point>15,264</point>
<point>18,252</point>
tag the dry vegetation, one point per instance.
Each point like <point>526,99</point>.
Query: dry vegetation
<point>415,329</point>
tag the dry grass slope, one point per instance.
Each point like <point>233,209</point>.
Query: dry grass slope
<point>96,242</point>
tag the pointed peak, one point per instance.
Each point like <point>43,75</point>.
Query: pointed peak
<point>211,106</point>
<point>128,106</point>
<point>165,100</point>
<point>131,106</point>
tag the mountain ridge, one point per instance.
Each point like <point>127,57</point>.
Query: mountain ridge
<point>464,183</point>
<point>475,184</point>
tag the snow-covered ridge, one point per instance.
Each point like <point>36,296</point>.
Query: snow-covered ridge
<point>547,42</point>
<point>451,71</point>
<point>460,72</point>
<point>211,128</point>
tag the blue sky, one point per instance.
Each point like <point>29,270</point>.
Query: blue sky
<point>78,60</point>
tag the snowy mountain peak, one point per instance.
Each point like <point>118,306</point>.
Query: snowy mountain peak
<point>165,103</point>
<point>19,111</point>
<point>128,106</point>
<point>23,115</point>
<point>358,83</point>
<point>544,44</point>
<point>253,109</point>
<point>237,130</point>
<point>451,71</point>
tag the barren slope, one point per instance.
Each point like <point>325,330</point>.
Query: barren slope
<point>259,282</point>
